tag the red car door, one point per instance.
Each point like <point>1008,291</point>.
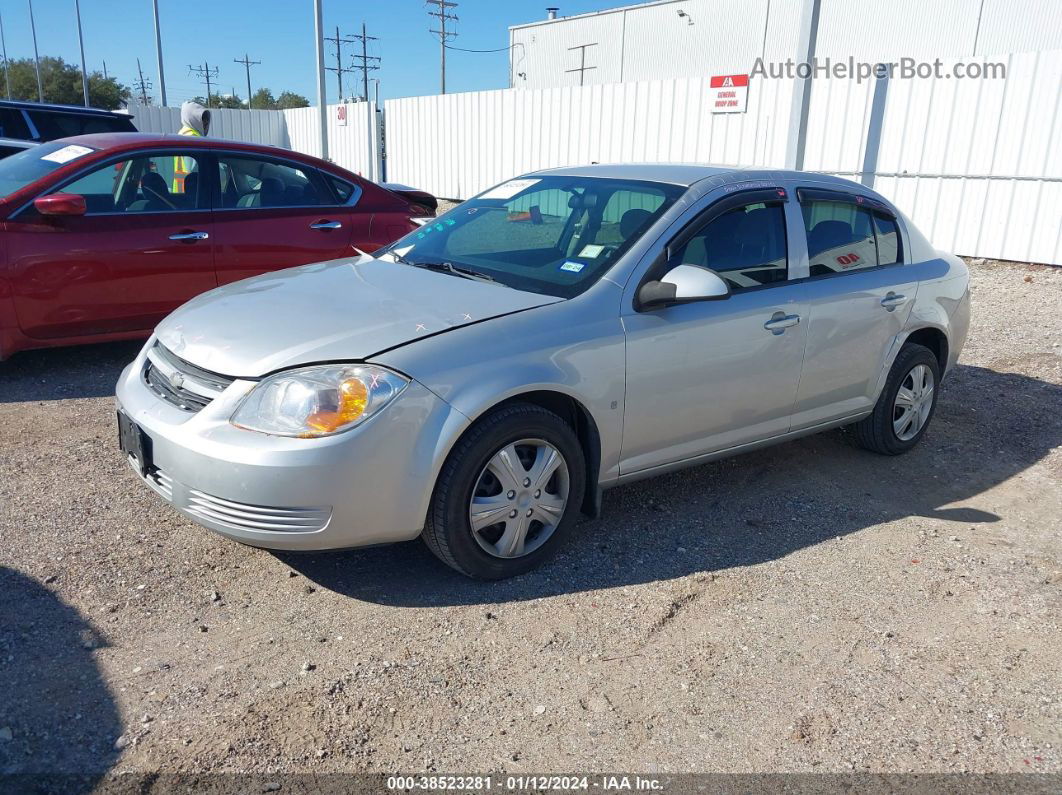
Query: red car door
<point>142,248</point>
<point>273,213</point>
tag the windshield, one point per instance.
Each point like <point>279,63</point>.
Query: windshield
<point>19,170</point>
<point>554,235</point>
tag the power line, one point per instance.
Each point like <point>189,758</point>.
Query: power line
<point>206,75</point>
<point>247,63</point>
<point>142,84</point>
<point>365,67</point>
<point>444,35</point>
<point>339,69</point>
<point>497,49</point>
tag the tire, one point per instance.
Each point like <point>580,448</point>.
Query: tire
<point>531,432</point>
<point>878,432</point>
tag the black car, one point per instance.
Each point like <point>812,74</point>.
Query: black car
<point>24,124</point>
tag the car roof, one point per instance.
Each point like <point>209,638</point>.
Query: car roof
<point>687,174</point>
<point>81,110</point>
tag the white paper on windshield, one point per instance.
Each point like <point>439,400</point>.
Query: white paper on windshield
<point>591,250</point>
<point>66,154</point>
<point>509,189</point>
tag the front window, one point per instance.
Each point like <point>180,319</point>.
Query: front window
<point>26,167</point>
<point>554,235</point>
<point>148,184</point>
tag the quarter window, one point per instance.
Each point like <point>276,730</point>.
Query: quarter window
<point>157,183</point>
<point>843,236</point>
<point>746,246</point>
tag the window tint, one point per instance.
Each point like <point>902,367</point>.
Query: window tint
<point>248,183</point>
<point>13,124</point>
<point>843,236</point>
<point>157,183</point>
<point>52,125</point>
<point>746,246</point>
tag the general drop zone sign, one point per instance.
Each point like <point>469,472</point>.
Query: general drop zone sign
<point>729,93</point>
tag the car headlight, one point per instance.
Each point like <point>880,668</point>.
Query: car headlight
<point>317,401</point>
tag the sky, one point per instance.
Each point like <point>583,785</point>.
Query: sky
<point>280,34</point>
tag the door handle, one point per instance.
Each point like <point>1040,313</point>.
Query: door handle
<point>780,321</point>
<point>326,225</point>
<point>190,236</point>
<point>893,300</point>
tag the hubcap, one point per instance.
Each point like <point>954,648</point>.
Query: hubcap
<point>519,498</point>
<point>914,401</point>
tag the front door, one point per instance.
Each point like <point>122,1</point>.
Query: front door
<point>142,249</point>
<point>272,214</point>
<point>712,375</point>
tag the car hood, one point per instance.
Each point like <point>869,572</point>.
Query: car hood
<point>332,311</point>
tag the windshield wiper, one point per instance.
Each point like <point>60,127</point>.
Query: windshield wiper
<point>449,267</point>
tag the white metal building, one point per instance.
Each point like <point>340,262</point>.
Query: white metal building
<point>683,38</point>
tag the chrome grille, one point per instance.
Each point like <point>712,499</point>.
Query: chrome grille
<point>181,383</point>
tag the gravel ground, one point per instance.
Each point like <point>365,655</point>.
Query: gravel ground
<point>811,607</point>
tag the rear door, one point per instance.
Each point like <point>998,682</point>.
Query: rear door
<point>139,252</point>
<point>860,295</point>
<point>272,213</point>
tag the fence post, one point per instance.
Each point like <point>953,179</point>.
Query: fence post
<point>798,113</point>
<point>877,121</point>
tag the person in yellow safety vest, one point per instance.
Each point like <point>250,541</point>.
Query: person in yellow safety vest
<point>195,120</point>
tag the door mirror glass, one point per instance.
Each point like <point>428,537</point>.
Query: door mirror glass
<point>684,283</point>
<point>61,204</point>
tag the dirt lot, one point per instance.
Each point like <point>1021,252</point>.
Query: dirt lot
<point>806,608</point>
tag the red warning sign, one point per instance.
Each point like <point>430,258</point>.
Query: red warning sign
<point>729,93</point>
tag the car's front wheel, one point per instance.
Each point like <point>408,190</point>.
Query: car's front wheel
<point>507,494</point>
<point>906,404</point>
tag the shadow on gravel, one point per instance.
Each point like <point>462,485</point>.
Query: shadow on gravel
<point>84,371</point>
<point>989,427</point>
<point>58,720</point>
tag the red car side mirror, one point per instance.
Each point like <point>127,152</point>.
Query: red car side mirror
<point>61,204</point>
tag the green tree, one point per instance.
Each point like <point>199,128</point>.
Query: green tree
<point>220,101</point>
<point>62,84</point>
<point>263,99</point>
<point>289,99</point>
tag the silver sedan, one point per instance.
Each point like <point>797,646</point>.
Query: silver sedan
<point>481,381</point>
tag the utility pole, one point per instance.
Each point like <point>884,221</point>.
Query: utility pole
<point>81,44</point>
<point>322,107</point>
<point>365,66</point>
<point>206,75</point>
<point>370,115</point>
<point>443,34</point>
<point>582,68</point>
<point>105,77</point>
<point>339,69</point>
<point>36,56</point>
<point>158,53</point>
<point>141,85</point>
<point>247,63</point>
<point>7,77</point>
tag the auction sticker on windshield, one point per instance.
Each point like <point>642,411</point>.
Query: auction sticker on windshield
<point>509,189</point>
<point>66,154</point>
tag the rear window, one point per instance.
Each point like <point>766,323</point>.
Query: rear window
<point>30,165</point>
<point>52,125</point>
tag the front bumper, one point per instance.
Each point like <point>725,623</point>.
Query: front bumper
<point>370,485</point>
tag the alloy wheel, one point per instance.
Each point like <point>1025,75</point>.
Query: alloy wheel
<point>914,402</point>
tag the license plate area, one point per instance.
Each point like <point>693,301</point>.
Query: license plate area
<point>134,443</point>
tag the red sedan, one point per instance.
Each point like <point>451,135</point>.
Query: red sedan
<point>104,235</point>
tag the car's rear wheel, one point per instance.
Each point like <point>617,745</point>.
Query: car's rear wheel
<point>906,404</point>
<point>507,494</point>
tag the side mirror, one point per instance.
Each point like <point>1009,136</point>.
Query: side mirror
<point>682,284</point>
<point>61,204</point>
